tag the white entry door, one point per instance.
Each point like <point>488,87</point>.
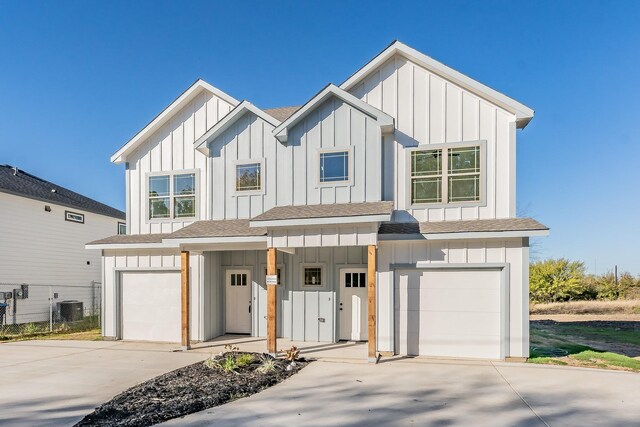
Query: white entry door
<point>353,304</point>
<point>238,305</point>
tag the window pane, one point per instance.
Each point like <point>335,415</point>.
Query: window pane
<point>159,208</point>
<point>313,276</point>
<point>122,228</point>
<point>248,177</point>
<point>363,280</point>
<point>426,162</point>
<point>184,184</point>
<point>347,280</point>
<point>334,166</point>
<point>158,186</point>
<point>233,279</point>
<point>184,207</point>
<point>464,188</point>
<point>355,280</point>
<point>464,160</point>
<point>426,190</point>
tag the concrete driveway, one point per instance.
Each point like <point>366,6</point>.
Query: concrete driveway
<point>56,383</point>
<point>430,393</point>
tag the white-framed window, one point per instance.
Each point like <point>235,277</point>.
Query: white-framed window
<point>74,217</point>
<point>249,176</point>
<point>122,228</point>
<point>334,166</point>
<point>313,276</point>
<point>451,174</point>
<point>172,195</point>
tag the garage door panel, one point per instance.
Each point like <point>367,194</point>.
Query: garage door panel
<point>151,306</point>
<point>449,313</point>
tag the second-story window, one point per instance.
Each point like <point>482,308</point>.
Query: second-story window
<point>447,175</point>
<point>248,177</point>
<point>172,196</point>
<point>334,166</point>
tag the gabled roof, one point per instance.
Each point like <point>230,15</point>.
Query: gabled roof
<point>384,120</point>
<point>180,102</point>
<point>20,183</point>
<point>201,144</point>
<point>282,113</point>
<point>523,113</point>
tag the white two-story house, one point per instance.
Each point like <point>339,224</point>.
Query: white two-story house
<point>382,210</point>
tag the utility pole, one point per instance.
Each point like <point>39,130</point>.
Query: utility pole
<point>615,271</point>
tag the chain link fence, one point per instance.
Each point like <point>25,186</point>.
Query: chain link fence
<point>33,309</point>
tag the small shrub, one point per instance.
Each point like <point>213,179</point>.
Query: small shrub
<point>32,329</point>
<point>227,364</point>
<point>556,280</point>
<point>244,360</point>
<point>267,366</point>
<point>292,354</point>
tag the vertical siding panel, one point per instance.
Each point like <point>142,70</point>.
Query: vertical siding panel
<point>502,165</point>
<point>420,102</point>
<point>436,109</point>
<point>373,90</point>
<point>453,119</point>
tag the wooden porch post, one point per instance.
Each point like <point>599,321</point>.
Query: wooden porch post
<point>184,270</point>
<point>371,293</point>
<point>272,296</point>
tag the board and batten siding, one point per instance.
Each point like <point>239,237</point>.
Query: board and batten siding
<point>140,260</point>
<point>514,252</point>
<point>39,247</point>
<point>171,149</point>
<point>428,109</point>
<point>334,124</point>
<point>248,140</point>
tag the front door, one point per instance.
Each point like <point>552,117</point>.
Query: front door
<point>238,306</point>
<point>353,304</point>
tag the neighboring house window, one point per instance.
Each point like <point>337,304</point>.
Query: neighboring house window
<point>334,166</point>
<point>122,228</point>
<point>459,181</point>
<point>248,177</point>
<point>74,217</point>
<point>172,196</point>
<point>313,276</point>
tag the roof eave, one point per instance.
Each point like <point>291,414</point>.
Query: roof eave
<point>523,113</point>
<point>485,234</point>
<point>299,222</point>
<point>202,143</point>
<point>180,102</point>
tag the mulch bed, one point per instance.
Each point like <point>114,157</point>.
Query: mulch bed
<point>186,390</point>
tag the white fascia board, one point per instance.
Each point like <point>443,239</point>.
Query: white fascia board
<point>486,235</point>
<point>523,113</point>
<point>216,240</point>
<point>132,246</point>
<point>180,102</point>
<point>201,144</point>
<point>384,120</point>
<point>205,247</point>
<point>320,221</point>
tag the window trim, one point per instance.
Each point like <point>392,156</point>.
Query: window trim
<point>67,213</point>
<point>263,177</point>
<point>171,196</point>
<point>349,182</point>
<point>323,273</point>
<point>445,147</point>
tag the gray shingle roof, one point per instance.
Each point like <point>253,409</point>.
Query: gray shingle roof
<point>326,211</point>
<point>23,184</point>
<point>467,226</point>
<point>130,238</point>
<point>220,228</point>
<point>281,113</point>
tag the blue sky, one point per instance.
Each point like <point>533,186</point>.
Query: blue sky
<point>79,78</point>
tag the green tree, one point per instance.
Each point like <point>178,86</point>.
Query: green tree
<point>555,280</point>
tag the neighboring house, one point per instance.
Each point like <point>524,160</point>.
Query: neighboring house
<point>43,230</point>
<point>386,206</point>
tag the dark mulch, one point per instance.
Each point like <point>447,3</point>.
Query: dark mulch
<point>184,391</point>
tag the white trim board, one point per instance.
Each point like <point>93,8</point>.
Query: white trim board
<point>320,221</point>
<point>523,113</point>
<point>180,102</point>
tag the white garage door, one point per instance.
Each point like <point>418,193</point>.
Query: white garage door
<point>448,313</point>
<point>151,306</point>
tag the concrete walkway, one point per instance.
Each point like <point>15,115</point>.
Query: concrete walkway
<point>418,392</point>
<point>56,383</point>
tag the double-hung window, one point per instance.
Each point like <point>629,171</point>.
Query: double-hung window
<point>446,175</point>
<point>172,196</point>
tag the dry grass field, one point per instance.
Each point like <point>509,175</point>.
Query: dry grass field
<point>619,307</point>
